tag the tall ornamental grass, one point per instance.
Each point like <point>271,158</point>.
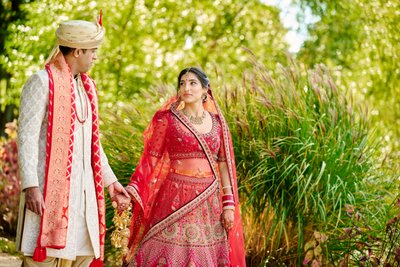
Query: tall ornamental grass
<point>303,152</point>
<point>122,139</point>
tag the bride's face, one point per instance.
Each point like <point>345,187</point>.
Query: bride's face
<point>190,89</point>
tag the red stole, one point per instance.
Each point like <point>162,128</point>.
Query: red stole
<point>59,151</point>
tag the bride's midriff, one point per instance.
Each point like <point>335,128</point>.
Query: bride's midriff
<point>196,167</point>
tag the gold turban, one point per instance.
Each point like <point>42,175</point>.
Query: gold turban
<point>77,34</point>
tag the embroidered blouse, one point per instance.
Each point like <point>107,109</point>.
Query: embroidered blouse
<point>180,143</point>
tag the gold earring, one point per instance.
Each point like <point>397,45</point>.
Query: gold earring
<point>181,104</point>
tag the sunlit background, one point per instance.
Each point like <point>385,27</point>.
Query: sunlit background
<point>310,89</point>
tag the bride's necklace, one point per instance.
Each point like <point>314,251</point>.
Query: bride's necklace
<point>194,119</point>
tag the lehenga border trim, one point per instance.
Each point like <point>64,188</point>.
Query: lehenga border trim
<point>135,194</point>
<point>175,216</point>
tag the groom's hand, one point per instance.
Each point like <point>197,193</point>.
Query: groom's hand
<point>119,195</point>
<point>34,200</point>
<point>115,189</point>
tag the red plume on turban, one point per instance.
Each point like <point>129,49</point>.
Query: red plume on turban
<point>101,18</point>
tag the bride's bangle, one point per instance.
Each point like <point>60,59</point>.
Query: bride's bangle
<point>228,202</point>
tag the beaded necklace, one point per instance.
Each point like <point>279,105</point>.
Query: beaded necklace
<point>194,119</point>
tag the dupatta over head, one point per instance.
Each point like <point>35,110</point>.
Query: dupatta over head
<point>151,172</point>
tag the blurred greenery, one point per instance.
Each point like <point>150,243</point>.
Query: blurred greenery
<point>147,42</point>
<point>7,246</point>
<point>304,151</point>
<point>10,13</point>
<point>359,41</point>
<point>311,135</point>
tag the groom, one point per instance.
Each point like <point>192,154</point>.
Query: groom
<point>62,163</point>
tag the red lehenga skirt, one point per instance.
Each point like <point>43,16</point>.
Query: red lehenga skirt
<point>186,227</point>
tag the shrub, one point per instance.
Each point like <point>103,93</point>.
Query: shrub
<point>303,151</point>
<point>9,181</point>
<point>357,242</point>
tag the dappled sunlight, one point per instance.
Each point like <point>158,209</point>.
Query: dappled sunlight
<point>309,90</point>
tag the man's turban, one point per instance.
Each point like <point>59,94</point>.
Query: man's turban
<point>77,34</point>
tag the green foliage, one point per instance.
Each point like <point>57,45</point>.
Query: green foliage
<point>357,243</point>
<point>9,13</point>
<point>147,42</point>
<point>7,246</point>
<point>359,41</point>
<point>303,149</point>
<point>10,256</point>
<point>302,153</point>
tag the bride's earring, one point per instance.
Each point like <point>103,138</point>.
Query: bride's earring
<point>181,104</point>
<point>204,98</point>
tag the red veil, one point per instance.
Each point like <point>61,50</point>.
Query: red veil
<point>151,172</point>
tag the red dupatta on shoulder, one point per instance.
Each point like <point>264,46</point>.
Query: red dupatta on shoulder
<point>151,172</point>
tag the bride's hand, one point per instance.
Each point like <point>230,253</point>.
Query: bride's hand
<point>228,217</point>
<point>121,202</point>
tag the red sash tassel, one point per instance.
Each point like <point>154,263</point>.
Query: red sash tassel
<point>40,254</point>
<point>96,263</point>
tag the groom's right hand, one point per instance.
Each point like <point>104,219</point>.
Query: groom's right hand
<point>34,200</point>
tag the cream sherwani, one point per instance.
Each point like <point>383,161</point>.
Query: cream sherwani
<point>83,225</point>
